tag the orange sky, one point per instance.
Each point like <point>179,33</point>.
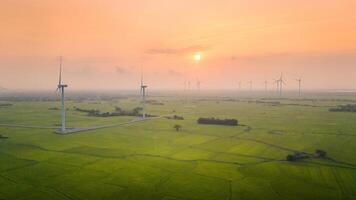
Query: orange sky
<point>106,42</point>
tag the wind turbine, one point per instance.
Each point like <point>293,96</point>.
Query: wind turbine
<point>266,84</point>
<point>198,84</point>
<point>250,82</point>
<point>143,92</point>
<point>277,84</point>
<point>281,83</point>
<point>239,85</point>
<point>60,88</point>
<point>299,84</point>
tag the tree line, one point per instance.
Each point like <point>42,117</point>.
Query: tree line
<point>344,108</point>
<point>118,112</point>
<point>303,155</point>
<point>217,121</point>
<point>175,117</point>
<point>5,104</point>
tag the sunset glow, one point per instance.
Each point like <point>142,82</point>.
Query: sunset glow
<point>104,43</point>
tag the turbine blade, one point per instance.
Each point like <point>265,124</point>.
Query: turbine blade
<point>60,71</point>
<point>141,77</point>
<point>141,86</point>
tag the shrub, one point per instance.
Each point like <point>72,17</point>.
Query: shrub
<point>3,137</point>
<point>320,153</point>
<point>297,156</point>
<point>291,158</point>
<point>5,104</point>
<point>176,117</point>
<point>177,127</point>
<point>344,108</point>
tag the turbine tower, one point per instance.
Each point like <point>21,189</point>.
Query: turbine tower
<point>143,93</point>
<point>299,84</point>
<point>60,88</point>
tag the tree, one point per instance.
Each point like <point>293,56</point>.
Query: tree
<point>320,153</point>
<point>177,127</point>
<point>291,158</point>
<point>3,137</point>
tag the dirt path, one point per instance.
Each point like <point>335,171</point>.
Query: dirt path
<point>27,126</point>
<point>82,129</point>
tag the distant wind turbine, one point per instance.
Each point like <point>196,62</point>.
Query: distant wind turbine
<point>281,83</point>
<point>60,88</point>
<point>143,93</point>
<point>277,85</point>
<point>300,84</point>
<point>250,82</point>
<point>198,84</point>
<point>266,86</point>
<point>239,84</point>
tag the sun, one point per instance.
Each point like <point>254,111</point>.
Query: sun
<point>197,56</point>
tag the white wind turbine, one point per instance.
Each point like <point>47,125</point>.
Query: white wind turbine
<point>277,84</point>
<point>198,84</point>
<point>266,86</point>
<point>250,82</point>
<point>60,88</point>
<point>281,83</point>
<point>143,93</point>
<point>300,86</point>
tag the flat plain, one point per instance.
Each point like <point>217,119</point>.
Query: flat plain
<point>151,160</point>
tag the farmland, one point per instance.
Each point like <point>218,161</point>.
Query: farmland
<point>151,160</point>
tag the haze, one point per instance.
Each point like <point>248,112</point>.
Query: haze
<point>105,43</point>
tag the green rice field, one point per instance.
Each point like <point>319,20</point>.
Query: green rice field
<point>151,160</point>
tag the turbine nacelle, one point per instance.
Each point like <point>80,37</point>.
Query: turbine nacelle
<point>143,93</point>
<point>62,86</point>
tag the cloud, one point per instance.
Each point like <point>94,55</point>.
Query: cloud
<point>2,88</point>
<point>123,70</point>
<point>263,57</point>
<point>337,57</point>
<point>175,73</point>
<point>177,51</point>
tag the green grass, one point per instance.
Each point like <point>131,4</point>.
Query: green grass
<point>150,160</point>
